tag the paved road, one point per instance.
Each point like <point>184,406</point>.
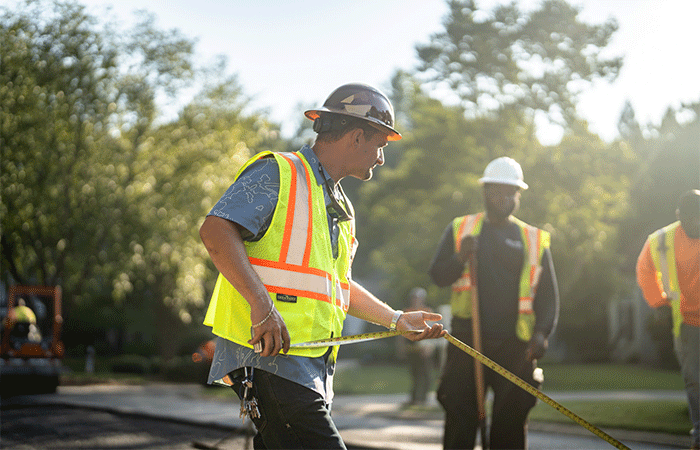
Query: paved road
<point>28,426</point>
<point>365,422</point>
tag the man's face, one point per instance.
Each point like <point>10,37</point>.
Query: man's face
<point>691,226</point>
<point>369,154</point>
<point>501,200</point>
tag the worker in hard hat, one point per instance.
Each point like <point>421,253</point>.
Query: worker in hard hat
<point>668,272</point>
<point>23,324</point>
<point>283,239</point>
<point>517,304</point>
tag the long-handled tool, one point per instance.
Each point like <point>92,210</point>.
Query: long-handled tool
<point>476,341</point>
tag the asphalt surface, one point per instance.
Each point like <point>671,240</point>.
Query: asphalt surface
<point>365,422</point>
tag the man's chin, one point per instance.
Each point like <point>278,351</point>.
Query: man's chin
<point>366,177</point>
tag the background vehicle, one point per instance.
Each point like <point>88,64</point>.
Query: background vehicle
<point>31,353</point>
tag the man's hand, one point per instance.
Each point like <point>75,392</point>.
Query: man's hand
<point>468,245</point>
<point>416,320</point>
<point>272,334</point>
<point>537,346</point>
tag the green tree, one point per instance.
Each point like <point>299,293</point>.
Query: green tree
<point>537,61</point>
<point>578,192</point>
<point>56,105</point>
<point>667,164</point>
<point>98,194</point>
<point>182,169</point>
<point>433,179</point>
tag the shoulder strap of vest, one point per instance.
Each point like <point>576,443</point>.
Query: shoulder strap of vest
<point>296,244</point>
<point>662,243</point>
<point>470,225</point>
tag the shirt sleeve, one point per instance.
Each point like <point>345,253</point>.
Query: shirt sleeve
<point>251,200</point>
<point>650,285</point>
<point>546,301</point>
<point>445,267</point>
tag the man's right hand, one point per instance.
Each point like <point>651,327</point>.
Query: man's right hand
<point>468,245</point>
<point>272,334</point>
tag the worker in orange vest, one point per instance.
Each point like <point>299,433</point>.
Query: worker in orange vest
<point>668,272</point>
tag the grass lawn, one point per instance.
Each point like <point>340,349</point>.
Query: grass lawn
<point>393,378</point>
<point>667,416</point>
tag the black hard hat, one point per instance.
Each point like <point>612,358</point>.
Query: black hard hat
<point>364,102</point>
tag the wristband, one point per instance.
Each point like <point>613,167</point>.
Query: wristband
<point>395,319</point>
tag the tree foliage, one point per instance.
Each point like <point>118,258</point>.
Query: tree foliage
<point>579,191</point>
<point>97,195</point>
<point>536,61</point>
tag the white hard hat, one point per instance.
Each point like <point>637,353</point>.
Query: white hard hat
<point>504,170</point>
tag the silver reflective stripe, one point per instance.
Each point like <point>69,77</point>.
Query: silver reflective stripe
<point>532,236</point>
<point>343,295</point>
<point>525,306</point>
<point>469,226</point>
<point>663,262</point>
<point>463,283</point>
<point>293,280</point>
<point>535,269</point>
<point>300,225</point>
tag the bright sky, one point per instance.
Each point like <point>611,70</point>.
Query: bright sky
<point>287,52</point>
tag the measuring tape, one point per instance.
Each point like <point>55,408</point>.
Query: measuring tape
<point>532,390</point>
<point>342,340</point>
<point>510,376</point>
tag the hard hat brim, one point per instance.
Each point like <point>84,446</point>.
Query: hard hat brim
<point>521,184</point>
<point>392,134</point>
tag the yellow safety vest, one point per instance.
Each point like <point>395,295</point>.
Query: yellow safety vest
<point>535,240</point>
<point>663,253</point>
<point>295,262</point>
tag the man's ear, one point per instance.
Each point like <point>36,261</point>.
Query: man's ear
<point>356,134</point>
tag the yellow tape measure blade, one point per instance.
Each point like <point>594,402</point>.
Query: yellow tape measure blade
<point>354,339</point>
<point>534,391</point>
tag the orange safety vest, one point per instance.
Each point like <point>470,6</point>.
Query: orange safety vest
<point>535,240</point>
<point>294,260</point>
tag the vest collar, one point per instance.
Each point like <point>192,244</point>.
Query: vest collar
<point>319,172</point>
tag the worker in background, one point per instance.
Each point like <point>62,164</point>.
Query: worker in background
<point>283,240</point>
<point>23,323</point>
<point>668,272</point>
<point>419,353</point>
<point>518,305</point>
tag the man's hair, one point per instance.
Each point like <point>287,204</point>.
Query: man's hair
<point>339,130</point>
<point>689,204</point>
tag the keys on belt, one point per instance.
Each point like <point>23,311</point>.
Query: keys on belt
<point>249,404</point>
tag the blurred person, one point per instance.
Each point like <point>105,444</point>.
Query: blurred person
<point>283,240</point>
<point>23,323</point>
<point>668,273</point>
<point>419,353</point>
<point>518,306</point>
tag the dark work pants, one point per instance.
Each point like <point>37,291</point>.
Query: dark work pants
<point>420,374</point>
<point>291,415</point>
<point>511,405</point>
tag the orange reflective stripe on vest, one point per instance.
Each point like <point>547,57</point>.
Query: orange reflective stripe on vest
<point>295,263</point>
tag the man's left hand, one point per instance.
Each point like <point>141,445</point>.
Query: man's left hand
<point>417,320</point>
<point>537,346</point>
